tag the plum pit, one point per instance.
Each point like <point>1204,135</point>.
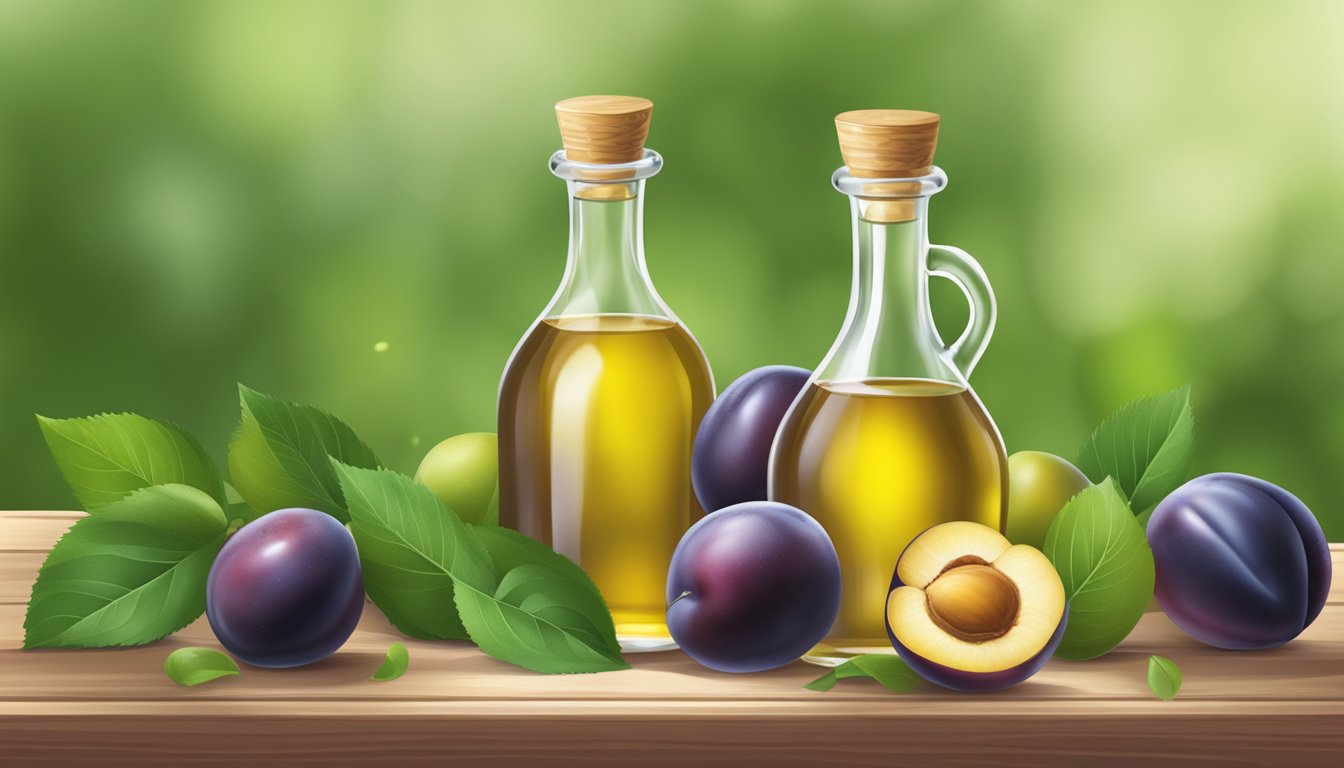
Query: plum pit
<point>973,602</point>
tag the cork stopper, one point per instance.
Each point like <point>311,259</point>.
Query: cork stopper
<point>604,129</point>
<point>887,143</point>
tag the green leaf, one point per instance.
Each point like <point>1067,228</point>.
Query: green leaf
<point>1143,517</point>
<point>1102,556</point>
<point>824,683</point>
<point>278,458</point>
<point>193,666</point>
<point>546,614</point>
<point>131,574</point>
<point>1164,677</point>
<point>411,547</point>
<point>394,665</point>
<point>491,516</point>
<point>1147,447</point>
<point>540,620</point>
<point>242,512</point>
<point>106,457</point>
<point>886,669</point>
<point>510,550</point>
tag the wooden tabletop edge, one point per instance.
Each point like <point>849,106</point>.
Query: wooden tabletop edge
<point>929,708</point>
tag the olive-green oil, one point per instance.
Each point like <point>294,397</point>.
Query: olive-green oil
<point>876,462</point>
<point>597,417</point>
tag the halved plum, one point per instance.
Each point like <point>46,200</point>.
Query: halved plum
<point>970,611</point>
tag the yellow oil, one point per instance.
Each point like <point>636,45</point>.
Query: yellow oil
<point>597,415</point>
<point>876,462</point>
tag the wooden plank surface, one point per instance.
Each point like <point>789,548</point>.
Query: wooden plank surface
<point>1279,707</point>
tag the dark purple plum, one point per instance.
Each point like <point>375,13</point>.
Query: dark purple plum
<point>1241,563</point>
<point>731,459</point>
<point>752,587</point>
<point>286,590</point>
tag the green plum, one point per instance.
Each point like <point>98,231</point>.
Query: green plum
<point>463,471</point>
<point>1039,485</point>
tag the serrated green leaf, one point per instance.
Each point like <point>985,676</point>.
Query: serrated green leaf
<point>1164,677</point>
<point>1102,556</point>
<point>394,664</point>
<point>106,457</point>
<point>510,551</point>
<point>537,620</point>
<point>193,666</point>
<point>890,671</point>
<point>546,614</point>
<point>278,458</point>
<point>1147,446</point>
<point>131,574</point>
<point>410,548</point>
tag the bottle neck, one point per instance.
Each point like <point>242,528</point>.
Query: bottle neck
<point>889,330</point>
<point>606,272</point>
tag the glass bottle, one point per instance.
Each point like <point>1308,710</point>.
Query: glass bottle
<point>888,438</point>
<point>600,401</point>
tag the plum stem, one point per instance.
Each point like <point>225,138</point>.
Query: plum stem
<point>687,593</point>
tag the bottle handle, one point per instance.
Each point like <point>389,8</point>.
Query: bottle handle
<point>957,265</point>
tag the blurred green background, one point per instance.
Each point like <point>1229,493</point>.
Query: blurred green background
<point>195,194</point>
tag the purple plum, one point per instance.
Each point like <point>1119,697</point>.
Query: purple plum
<point>752,587</point>
<point>731,457</point>
<point>286,590</point>
<point>1241,563</point>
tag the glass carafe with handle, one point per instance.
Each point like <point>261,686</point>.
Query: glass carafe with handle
<point>888,438</point>
<point>600,402</point>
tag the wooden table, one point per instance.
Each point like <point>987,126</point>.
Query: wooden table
<point>1279,707</point>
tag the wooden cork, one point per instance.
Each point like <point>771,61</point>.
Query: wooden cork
<point>604,129</point>
<point>887,143</point>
